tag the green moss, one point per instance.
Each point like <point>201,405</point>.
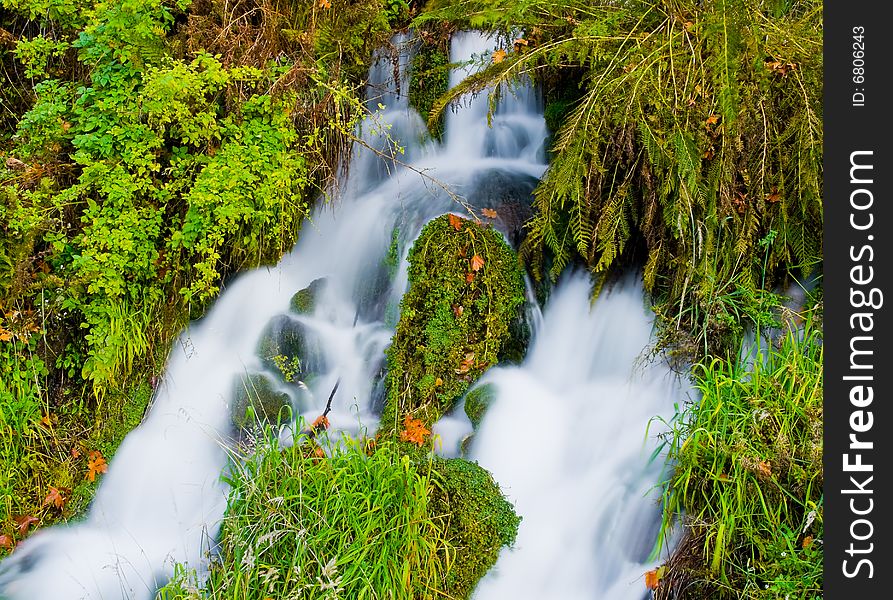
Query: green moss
<point>304,301</point>
<point>477,521</point>
<point>428,80</point>
<point>477,401</point>
<point>454,320</point>
<point>288,349</point>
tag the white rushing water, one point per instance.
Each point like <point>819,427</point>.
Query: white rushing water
<point>565,436</point>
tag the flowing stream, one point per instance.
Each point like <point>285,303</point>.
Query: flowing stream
<point>566,434</point>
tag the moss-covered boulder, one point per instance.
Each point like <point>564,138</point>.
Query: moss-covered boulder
<point>290,349</point>
<point>476,519</point>
<point>304,300</point>
<point>465,289</point>
<point>477,401</point>
<point>255,400</point>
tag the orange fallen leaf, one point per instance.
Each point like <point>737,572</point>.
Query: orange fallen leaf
<point>458,309</point>
<point>765,468</point>
<point>469,277</point>
<point>489,213</point>
<point>774,195</point>
<point>712,120</point>
<point>477,263</point>
<point>455,222</point>
<point>6,541</point>
<point>319,452</point>
<point>499,56</point>
<point>55,497</point>
<point>807,541</point>
<point>325,4</point>
<point>652,579</point>
<point>95,465</point>
<point>438,382</point>
<point>321,422</point>
<point>24,523</point>
<point>5,335</point>
<point>414,431</point>
<point>75,453</point>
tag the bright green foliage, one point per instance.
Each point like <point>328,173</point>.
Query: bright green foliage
<point>749,472</point>
<point>478,521</point>
<point>697,131</point>
<point>453,320</point>
<point>345,526</point>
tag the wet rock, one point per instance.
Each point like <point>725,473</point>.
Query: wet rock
<point>477,401</point>
<point>291,349</point>
<point>304,301</point>
<point>256,400</point>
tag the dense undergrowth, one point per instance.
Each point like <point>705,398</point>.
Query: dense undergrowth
<point>151,149</point>
<point>749,476</point>
<point>689,138</point>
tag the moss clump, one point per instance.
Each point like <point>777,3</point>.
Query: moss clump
<point>429,79</point>
<point>289,349</point>
<point>477,521</point>
<point>477,401</point>
<point>255,399</point>
<point>465,289</point>
<point>304,301</point>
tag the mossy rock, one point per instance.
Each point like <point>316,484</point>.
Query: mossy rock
<point>255,400</point>
<point>477,520</point>
<point>477,401</point>
<point>290,349</point>
<point>465,290</point>
<point>304,301</point>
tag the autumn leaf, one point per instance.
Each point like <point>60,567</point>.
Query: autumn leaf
<point>95,465</point>
<point>807,541</point>
<point>773,196</point>
<point>489,213</point>
<point>6,541</point>
<point>75,453</point>
<point>469,277</point>
<point>24,523</point>
<point>764,468</point>
<point>712,120</point>
<point>438,382</point>
<point>466,364</point>
<point>321,422</point>
<point>520,44</point>
<point>325,4</point>
<point>499,56</point>
<point>55,497</point>
<point>5,335</point>
<point>414,431</point>
<point>651,579</point>
<point>458,309</point>
<point>477,263</point>
<point>319,452</point>
<point>723,477</point>
<point>455,222</point>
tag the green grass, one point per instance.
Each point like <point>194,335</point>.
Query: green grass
<point>749,475</point>
<point>349,526</point>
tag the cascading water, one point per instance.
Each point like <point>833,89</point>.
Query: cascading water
<point>565,435</point>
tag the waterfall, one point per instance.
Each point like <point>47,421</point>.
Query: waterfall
<point>565,436</point>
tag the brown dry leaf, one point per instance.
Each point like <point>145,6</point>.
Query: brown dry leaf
<point>477,263</point>
<point>6,541</point>
<point>24,523</point>
<point>469,277</point>
<point>765,468</point>
<point>773,196</point>
<point>414,431</point>
<point>466,364</point>
<point>75,453</point>
<point>499,56</point>
<point>56,498</point>
<point>458,309</point>
<point>95,465</point>
<point>520,44</point>
<point>455,222</point>
<point>489,213</point>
